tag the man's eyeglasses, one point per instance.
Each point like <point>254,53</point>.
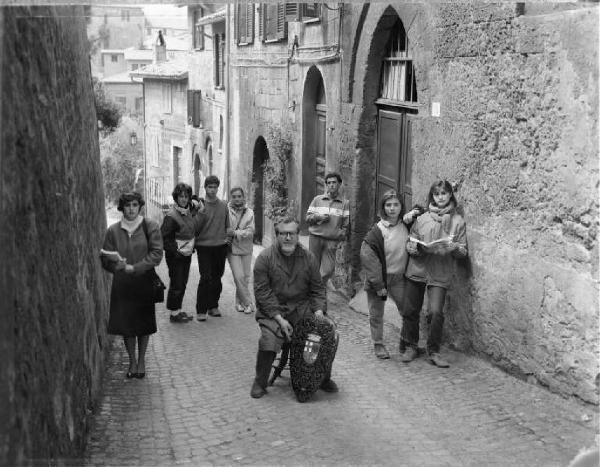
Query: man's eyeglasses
<point>286,234</point>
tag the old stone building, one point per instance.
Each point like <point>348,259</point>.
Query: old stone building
<point>165,111</point>
<point>501,99</point>
<point>54,308</point>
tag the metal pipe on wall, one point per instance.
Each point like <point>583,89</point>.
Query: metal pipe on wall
<point>227,102</point>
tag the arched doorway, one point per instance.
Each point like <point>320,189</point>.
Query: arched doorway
<point>260,156</point>
<point>390,94</point>
<point>196,170</point>
<point>209,156</point>
<point>396,101</point>
<point>314,123</point>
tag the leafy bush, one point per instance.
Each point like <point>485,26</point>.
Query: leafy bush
<point>279,141</point>
<point>121,164</point>
<point>108,112</point>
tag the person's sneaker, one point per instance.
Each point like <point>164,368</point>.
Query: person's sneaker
<point>214,312</point>
<point>248,310</point>
<point>329,386</point>
<point>201,316</point>
<point>257,391</point>
<point>381,352</point>
<point>437,360</point>
<point>409,355</point>
<point>240,308</point>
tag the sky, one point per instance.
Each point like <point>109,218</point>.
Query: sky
<point>173,13</point>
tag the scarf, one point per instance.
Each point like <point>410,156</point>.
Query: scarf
<point>183,211</point>
<point>131,226</point>
<point>443,216</point>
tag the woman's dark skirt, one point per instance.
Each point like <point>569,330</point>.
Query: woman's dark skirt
<point>132,310</point>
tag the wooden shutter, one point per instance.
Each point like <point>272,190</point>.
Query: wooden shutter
<point>281,22</point>
<point>196,108</point>
<point>292,11</point>
<point>250,23</point>
<point>240,23</point>
<point>261,21</point>
<point>271,21</point>
<point>216,53</point>
<point>190,106</point>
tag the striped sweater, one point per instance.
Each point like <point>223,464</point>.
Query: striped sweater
<point>336,228</point>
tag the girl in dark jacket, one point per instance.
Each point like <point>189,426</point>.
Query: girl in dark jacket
<point>178,232</point>
<point>384,257</point>
<point>436,239</point>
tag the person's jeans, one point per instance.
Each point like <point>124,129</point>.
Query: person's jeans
<point>414,294</point>
<point>211,264</point>
<point>241,269</point>
<point>324,250</point>
<point>395,289</point>
<point>179,271</point>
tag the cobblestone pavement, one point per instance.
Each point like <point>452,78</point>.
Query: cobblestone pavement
<point>194,407</point>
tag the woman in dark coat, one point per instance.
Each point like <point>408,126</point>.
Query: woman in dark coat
<point>132,247</point>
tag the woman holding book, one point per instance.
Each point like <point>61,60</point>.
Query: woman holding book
<point>436,239</point>
<point>132,247</point>
<point>383,256</point>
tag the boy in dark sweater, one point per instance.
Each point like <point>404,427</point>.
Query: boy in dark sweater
<point>212,237</point>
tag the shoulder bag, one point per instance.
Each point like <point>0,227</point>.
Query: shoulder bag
<point>158,287</point>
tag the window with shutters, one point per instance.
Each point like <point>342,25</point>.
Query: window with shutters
<point>198,31</point>
<point>219,57</point>
<point>398,82</point>
<point>311,12</point>
<point>245,23</point>
<point>305,12</point>
<point>194,99</point>
<point>272,22</point>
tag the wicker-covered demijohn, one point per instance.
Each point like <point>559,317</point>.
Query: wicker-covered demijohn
<point>312,350</point>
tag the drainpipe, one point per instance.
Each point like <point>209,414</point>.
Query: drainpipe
<point>144,144</point>
<point>227,99</point>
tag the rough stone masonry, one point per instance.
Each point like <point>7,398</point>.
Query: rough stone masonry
<point>54,294</point>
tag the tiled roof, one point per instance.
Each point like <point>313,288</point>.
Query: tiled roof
<point>138,54</point>
<point>170,69</point>
<point>218,15</point>
<point>121,78</point>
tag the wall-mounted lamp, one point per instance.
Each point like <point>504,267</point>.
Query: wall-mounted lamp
<point>133,138</point>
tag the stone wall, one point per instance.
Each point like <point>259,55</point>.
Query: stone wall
<point>518,134</point>
<point>55,297</point>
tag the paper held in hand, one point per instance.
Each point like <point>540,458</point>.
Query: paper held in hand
<point>439,245</point>
<point>112,255</point>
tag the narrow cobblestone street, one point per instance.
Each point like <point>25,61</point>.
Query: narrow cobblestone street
<point>194,406</point>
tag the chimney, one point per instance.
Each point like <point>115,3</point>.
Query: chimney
<point>160,49</point>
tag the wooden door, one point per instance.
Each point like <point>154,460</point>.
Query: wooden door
<point>394,159</point>
<point>320,145</point>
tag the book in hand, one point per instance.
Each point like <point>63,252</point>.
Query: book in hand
<point>439,246</point>
<point>112,255</point>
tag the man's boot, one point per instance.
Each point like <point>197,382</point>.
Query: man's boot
<point>328,385</point>
<point>264,362</point>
